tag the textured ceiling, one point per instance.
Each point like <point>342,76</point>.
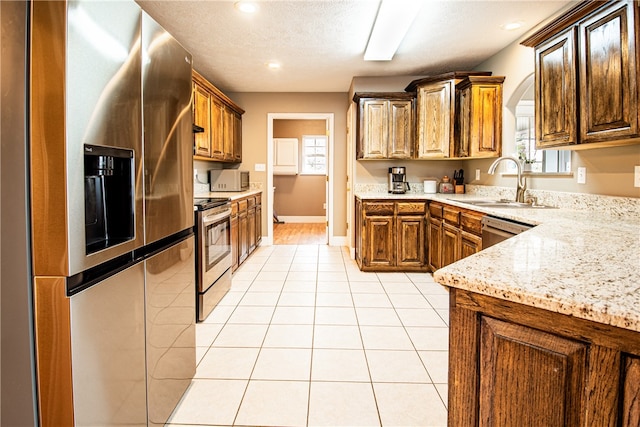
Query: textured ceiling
<point>320,43</point>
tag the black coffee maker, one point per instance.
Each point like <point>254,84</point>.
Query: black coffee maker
<point>398,180</point>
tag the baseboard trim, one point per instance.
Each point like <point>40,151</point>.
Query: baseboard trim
<point>302,219</point>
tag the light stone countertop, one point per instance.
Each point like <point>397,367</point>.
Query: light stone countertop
<point>583,263</point>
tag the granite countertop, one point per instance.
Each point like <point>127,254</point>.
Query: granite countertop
<point>582,263</point>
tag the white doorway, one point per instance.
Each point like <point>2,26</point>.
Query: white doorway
<point>329,120</point>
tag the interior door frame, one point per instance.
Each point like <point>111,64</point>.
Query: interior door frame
<point>329,120</point>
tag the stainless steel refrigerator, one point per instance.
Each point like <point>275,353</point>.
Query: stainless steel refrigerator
<point>112,214</point>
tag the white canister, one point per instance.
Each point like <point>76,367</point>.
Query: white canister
<point>430,186</point>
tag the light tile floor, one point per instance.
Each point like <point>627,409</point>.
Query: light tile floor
<point>305,338</point>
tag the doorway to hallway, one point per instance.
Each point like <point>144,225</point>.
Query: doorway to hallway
<point>300,195</point>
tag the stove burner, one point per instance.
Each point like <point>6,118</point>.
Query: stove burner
<point>202,204</point>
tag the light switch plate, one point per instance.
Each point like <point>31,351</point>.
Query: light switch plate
<point>260,167</point>
<point>636,176</point>
<point>582,175</point>
<point>477,174</point>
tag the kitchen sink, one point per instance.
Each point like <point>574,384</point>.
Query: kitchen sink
<point>503,203</point>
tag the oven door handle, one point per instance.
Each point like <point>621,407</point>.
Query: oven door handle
<point>210,219</point>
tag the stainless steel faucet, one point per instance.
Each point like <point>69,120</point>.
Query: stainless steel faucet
<point>521,184</point>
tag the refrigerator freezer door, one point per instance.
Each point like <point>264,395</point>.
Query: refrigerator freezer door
<point>171,357</point>
<point>168,134</point>
<point>108,351</point>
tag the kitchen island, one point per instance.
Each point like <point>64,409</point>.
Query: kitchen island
<point>545,326</point>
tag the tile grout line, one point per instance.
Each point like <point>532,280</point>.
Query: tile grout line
<point>313,334</point>
<point>366,358</point>
<point>244,394</point>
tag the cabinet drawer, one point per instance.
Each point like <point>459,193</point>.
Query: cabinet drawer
<point>378,208</point>
<point>413,208</point>
<point>234,208</point>
<point>242,205</point>
<point>471,222</point>
<point>251,201</point>
<point>258,199</point>
<point>435,210</point>
<point>451,215</point>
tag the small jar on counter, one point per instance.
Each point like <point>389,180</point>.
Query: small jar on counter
<point>446,187</point>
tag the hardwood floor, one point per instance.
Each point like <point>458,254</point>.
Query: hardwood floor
<point>299,234</point>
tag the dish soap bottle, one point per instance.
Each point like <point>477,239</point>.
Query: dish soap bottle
<point>446,186</point>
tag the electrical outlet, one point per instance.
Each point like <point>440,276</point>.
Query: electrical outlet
<point>477,174</point>
<point>582,175</point>
<point>636,176</point>
<point>260,167</point>
<point>324,206</point>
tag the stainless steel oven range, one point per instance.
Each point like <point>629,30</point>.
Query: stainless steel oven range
<point>213,258</point>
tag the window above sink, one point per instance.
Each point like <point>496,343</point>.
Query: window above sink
<point>535,162</point>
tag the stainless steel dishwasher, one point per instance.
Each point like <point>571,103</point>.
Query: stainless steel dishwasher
<point>495,230</point>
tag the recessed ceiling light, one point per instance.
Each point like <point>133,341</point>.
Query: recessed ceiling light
<point>246,6</point>
<point>273,65</point>
<point>510,26</point>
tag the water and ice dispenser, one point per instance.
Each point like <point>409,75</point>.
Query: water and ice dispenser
<point>109,196</point>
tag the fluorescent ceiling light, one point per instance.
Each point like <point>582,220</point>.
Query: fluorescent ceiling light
<point>392,23</point>
<point>273,65</point>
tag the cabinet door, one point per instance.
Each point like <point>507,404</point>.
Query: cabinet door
<point>556,91</point>
<point>631,392</point>
<point>450,244</point>
<point>485,121</point>
<point>435,109</point>
<point>435,243</point>
<point>217,129</point>
<point>374,129</point>
<point>227,135</point>
<point>202,118</point>
<point>529,377</point>
<point>358,231</point>
<point>243,230</point>
<point>237,137</point>
<point>400,129</point>
<point>258,223</point>
<point>410,241</point>
<point>379,239</point>
<point>469,244</point>
<point>251,229</point>
<point>609,75</point>
<point>235,242</point>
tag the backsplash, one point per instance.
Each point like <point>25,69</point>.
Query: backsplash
<point>616,206</point>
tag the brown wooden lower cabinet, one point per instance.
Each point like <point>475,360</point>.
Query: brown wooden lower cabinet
<point>379,233</point>
<point>434,236</point>
<point>391,235</point>
<point>515,365</point>
<point>410,238</point>
<point>246,228</point>
<point>454,233</point>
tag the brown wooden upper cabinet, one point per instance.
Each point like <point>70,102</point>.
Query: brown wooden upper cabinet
<point>459,115</point>
<point>202,118</point>
<point>385,125</point>
<point>586,71</point>
<point>221,120</point>
<point>478,130</point>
